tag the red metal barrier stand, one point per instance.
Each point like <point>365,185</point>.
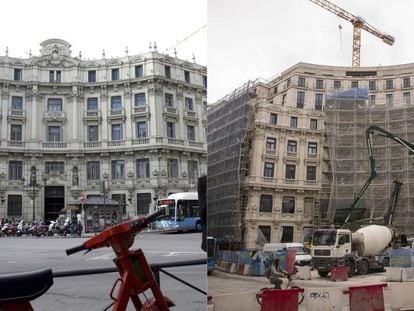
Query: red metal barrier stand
<point>280,299</point>
<point>366,298</point>
<point>339,273</point>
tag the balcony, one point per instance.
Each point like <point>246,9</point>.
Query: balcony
<point>171,111</point>
<point>54,116</point>
<point>174,141</point>
<point>270,154</point>
<point>116,143</point>
<point>289,181</point>
<point>312,158</point>
<point>15,144</point>
<point>140,111</point>
<point>54,145</point>
<point>195,144</point>
<point>140,141</point>
<point>16,114</point>
<point>280,183</point>
<point>92,115</point>
<point>190,115</point>
<point>92,144</point>
<point>116,114</point>
<point>291,157</point>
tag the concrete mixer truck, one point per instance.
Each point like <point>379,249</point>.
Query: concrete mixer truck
<point>365,249</point>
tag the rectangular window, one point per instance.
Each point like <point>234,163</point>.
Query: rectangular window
<point>266,203</point>
<point>301,81</point>
<point>313,124</point>
<point>372,100</point>
<point>15,170</point>
<point>354,84</point>
<point>92,103</point>
<point>167,71</point>
<point>300,100</point>
<point>275,90</point>
<point>14,205</point>
<point>372,85</point>
<point>143,168</point>
<point>311,173</point>
<point>287,83</point>
<point>116,102</point>
<point>118,169</point>
<point>143,203</point>
<point>169,102</point>
<point>54,167</point>
<point>140,99</point>
<point>192,169</point>
<point>271,143</point>
<point>205,81</point>
<point>187,76</point>
<point>54,134</point>
<point>170,129</point>
<point>93,133</point>
<point>17,102</point>
<point>406,82</point>
<point>115,74</point>
<point>17,74</point>
<point>54,104</point>
<point>389,84</point>
<point>273,118</point>
<point>142,129</point>
<point>283,99</point>
<point>288,205</point>
<point>287,234</point>
<point>172,168</point>
<point>190,132</point>
<point>319,84</point>
<point>93,170</point>
<point>407,98</point>
<point>92,76</point>
<point>269,169</point>
<point>292,146</point>
<point>294,122</point>
<point>389,100</point>
<point>188,104</point>
<point>58,76</point>
<point>51,76</point>
<point>318,101</point>
<point>139,71</point>
<point>337,84</point>
<point>290,172</point>
<point>16,132</point>
<point>264,232</point>
<point>116,132</point>
<point>312,148</point>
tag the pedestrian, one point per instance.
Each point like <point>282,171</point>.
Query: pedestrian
<point>276,271</point>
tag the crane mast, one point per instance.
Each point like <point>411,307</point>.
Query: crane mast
<point>358,23</point>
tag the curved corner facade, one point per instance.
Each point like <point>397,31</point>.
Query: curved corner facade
<point>132,128</point>
<point>289,181</point>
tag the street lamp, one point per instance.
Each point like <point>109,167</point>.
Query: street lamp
<point>33,183</point>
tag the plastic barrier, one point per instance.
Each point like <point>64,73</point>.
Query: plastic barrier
<point>304,273</point>
<point>339,273</point>
<point>244,301</point>
<point>322,299</point>
<point>280,299</point>
<point>366,298</point>
<point>401,296</point>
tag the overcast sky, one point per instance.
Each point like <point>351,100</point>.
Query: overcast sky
<point>91,26</point>
<point>259,39</point>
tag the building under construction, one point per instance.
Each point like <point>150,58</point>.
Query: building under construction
<point>289,154</point>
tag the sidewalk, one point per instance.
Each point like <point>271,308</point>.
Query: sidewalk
<point>221,284</point>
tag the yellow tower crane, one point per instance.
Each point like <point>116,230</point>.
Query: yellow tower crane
<point>359,23</point>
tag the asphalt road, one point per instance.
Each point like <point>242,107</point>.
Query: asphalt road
<point>92,292</point>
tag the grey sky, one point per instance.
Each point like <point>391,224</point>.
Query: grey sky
<point>91,26</point>
<point>259,39</point>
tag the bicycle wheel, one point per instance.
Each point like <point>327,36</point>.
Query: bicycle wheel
<point>301,296</point>
<point>259,300</point>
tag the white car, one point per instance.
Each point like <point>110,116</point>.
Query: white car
<point>302,257</point>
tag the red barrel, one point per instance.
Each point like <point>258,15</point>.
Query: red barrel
<point>280,299</point>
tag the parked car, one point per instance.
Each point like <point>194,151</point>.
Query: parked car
<point>302,256</point>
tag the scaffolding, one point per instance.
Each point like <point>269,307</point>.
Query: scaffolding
<point>348,114</point>
<point>227,145</point>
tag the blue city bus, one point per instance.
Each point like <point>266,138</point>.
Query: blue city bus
<point>184,213</point>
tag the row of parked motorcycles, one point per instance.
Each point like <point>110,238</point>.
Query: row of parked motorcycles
<point>61,227</point>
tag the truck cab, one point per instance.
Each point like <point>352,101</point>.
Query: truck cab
<point>331,247</point>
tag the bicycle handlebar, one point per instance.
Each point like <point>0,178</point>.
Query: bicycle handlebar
<point>75,249</point>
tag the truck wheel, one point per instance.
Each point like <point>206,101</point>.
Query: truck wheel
<point>386,262</point>
<point>363,267</point>
<point>351,268</point>
<point>323,273</point>
<point>199,226</point>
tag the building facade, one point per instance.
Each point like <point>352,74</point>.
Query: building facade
<point>131,127</point>
<point>287,189</point>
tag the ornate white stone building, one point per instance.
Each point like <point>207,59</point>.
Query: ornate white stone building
<point>67,126</point>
